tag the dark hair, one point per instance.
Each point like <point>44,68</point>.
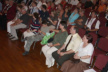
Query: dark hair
<point>61,5</point>
<point>23,2</point>
<point>34,2</point>
<point>36,15</point>
<point>94,12</point>
<point>76,29</point>
<point>44,6</point>
<point>20,6</point>
<point>44,22</point>
<point>89,38</point>
<point>64,23</point>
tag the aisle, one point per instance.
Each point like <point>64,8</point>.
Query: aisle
<point>11,59</point>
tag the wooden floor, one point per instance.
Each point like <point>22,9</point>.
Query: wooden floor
<point>11,59</point>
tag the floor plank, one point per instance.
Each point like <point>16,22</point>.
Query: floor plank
<point>11,59</point>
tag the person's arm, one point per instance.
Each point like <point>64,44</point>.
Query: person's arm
<point>60,15</point>
<point>55,30</point>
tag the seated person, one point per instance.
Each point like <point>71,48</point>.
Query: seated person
<point>58,41</point>
<point>22,22</point>
<point>69,48</point>
<point>18,15</point>
<point>80,22</point>
<point>52,20</point>
<point>43,13</point>
<point>34,27</point>
<point>37,37</point>
<point>73,17</point>
<point>59,11</point>
<point>84,55</point>
<point>102,7</point>
<point>33,8</point>
<point>92,24</point>
<point>66,14</point>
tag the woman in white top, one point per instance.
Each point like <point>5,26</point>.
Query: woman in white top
<point>84,55</point>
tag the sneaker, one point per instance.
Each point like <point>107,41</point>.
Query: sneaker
<point>13,39</point>
<point>25,53</point>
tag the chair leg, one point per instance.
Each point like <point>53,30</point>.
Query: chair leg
<point>34,45</point>
<point>40,52</point>
<point>57,65</point>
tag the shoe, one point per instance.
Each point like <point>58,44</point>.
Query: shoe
<point>25,53</point>
<point>13,39</point>
<point>48,66</point>
<point>9,35</point>
<point>22,40</point>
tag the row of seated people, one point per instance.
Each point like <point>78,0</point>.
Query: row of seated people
<point>9,10</point>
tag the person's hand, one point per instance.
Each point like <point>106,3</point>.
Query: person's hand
<point>49,19</point>
<point>58,51</point>
<point>28,30</point>
<point>61,53</point>
<point>13,24</point>
<point>34,30</point>
<point>76,57</point>
<point>39,31</point>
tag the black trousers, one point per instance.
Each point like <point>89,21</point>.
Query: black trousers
<point>61,59</point>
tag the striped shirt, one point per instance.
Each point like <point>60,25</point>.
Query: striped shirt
<point>34,25</point>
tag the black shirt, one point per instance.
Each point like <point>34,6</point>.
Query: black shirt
<point>25,18</point>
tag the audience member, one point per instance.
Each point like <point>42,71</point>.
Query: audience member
<point>34,27</point>
<point>74,2</point>
<point>58,41</point>
<point>33,8</point>
<point>41,33</point>
<point>102,7</point>
<point>69,48</point>
<point>22,22</point>
<point>73,17</point>
<point>66,14</point>
<point>84,55</point>
<point>92,24</point>
<point>80,22</point>
<point>52,20</point>
<point>24,5</point>
<point>18,15</point>
<point>44,13</point>
<point>57,2</point>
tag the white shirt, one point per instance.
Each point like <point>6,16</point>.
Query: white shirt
<point>89,24</point>
<point>74,2</point>
<point>33,10</point>
<point>88,50</point>
<point>57,2</point>
<point>74,43</point>
<point>39,4</point>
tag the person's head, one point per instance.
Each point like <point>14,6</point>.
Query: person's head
<point>63,25</point>
<point>11,2</point>
<point>52,5</point>
<point>23,11</point>
<point>76,10</point>
<point>66,9</point>
<point>103,2</point>
<point>19,7</point>
<point>52,13</point>
<point>34,4</point>
<point>6,1</point>
<point>93,14</point>
<point>43,7</point>
<point>60,7</point>
<point>49,3</point>
<point>87,38</point>
<point>81,12</point>
<point>35,16</point>
<point>73,30</point>
<point>44,23</point>
<point>78,5</point>
<point>23,3</point>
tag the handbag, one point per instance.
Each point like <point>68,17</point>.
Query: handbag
<point>74,60</point>
<point>47,37</point>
